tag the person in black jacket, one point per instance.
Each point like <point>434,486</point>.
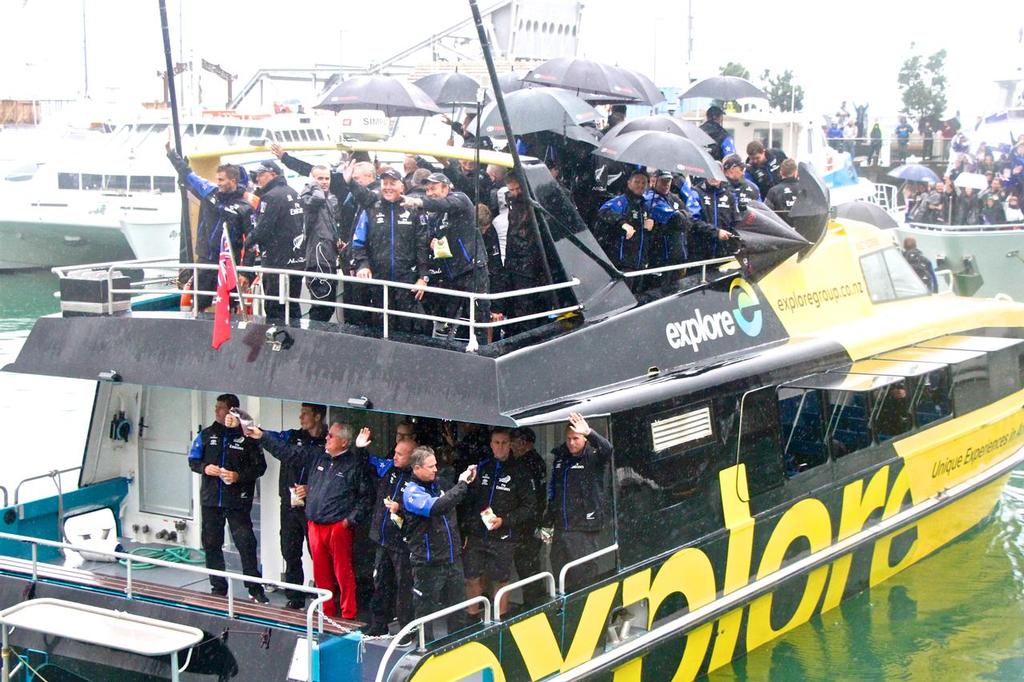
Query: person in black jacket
<point>577,498</point>
<point>502,506</point>
<point>723,144</point>
<point>764,166</point>
<point>229,463</point>
<point>452,220</point>
<point>338,498</point>
<point>392,572</point>
<point>392,243</point>
<point>623,227</point>
<point>278,233</point>
<point>782,196</point>
<point>321,219</point>
<point>435,548</point>
<point>220,202</point>
<point>292,489</point>
<point>528,549</point>
<point>523,267</point>
<point>743,189</point>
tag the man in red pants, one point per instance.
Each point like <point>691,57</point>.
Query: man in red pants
<point>339,497</point>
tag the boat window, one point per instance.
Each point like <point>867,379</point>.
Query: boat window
<point>92,181</point>
<point>287,134</point>
<point>849,426</point>
<point>889,277</point>
<point>931,399</point>
<point>116,182</point>
<point>800,416</point>
<point>213,130</point>
<point>68,180</point>
<point>140,183</point>
<point>304,134</point>
<point>319,134</point>
<point>891,413</point>
<point>159,127</point>
<point>231,132</point>
<point>758,446</point>
<point>255,132</point>
<point>164,183</point>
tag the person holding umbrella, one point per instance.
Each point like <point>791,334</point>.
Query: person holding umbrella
<point>623,228</point>
<point>724,144</point>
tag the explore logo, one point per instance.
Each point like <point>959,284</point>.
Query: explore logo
<point>700,328</point>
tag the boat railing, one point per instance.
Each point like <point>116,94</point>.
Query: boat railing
<point>934,227</point>
<point>420,624</point>
<point>702,264</point>
<point>505,589</point>
<point>55,477</point>
<point>320,596</point>
<point>583,560</point>
<point>886,196</point>
<point>285,296</point>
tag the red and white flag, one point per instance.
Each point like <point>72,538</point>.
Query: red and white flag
<point>226,279</point>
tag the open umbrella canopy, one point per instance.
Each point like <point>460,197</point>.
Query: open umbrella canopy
<point>531,110</point>
<point>586,76</point>
<point>664,123</point>
<point>866,212</point>
<point>971,180</point>
<point>393,96</point>
<point>661,150</point>
<point>512,81</point>
<point>914,172</point>
<point>649,92</point>
<point>766,239</point>
<point>725,88</point>
<point>450,89</point>
<point>809,214</point>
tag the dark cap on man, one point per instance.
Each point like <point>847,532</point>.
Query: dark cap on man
<point>731,161</point>
<point>525,433</point>
<point>435,178</point>
<point>390,173</point>
<point>715,111</point>
<point>662,174</point>
<point>268,167</point>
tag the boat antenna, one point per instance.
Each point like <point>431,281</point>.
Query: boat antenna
<point>517,164</point>
<point>185,233</point>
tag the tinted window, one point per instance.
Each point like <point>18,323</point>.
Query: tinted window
<point>970,385</point>
<point>876,275</point>
<point>164,183</point>
<point>213,130</point>
<point>139,183</point>
<point>91,181</point>
<point>304,134</point>
<point>891,413</point>
<point>67,180</point>
<point>904,280</point>
<point>931,400</point>
<point>759,441</point>
<point>849,427</point>
<point>115,182</point>
<point>803,444</point>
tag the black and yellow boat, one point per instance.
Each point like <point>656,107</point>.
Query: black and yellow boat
<point>794,426</point>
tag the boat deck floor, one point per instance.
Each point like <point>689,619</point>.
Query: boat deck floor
<point>176,588</point>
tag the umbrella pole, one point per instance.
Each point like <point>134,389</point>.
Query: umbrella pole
<point>517,164</point>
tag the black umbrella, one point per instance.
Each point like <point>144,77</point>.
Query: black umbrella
<point>661,150</point>
<point>723,87</point>
<point>664,123</point>
<point>390,95</point>
<point>866,212</point>
<point>585,76</point>
<point>649,92</point>
<point>584,134</point>
<point>810,212</point>
<point>449,89</point>
<point>766,239</point>
<point>512,81</point>
<point>532,110</point>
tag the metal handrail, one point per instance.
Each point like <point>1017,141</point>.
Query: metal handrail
<point>55,474</point>
<point>420,623</point>
<point>316,606</point>
<point>703,264</point>
<point>1001,227</point>
<point>4,490</point>
<point>543,575</point>
<point>583,560</point>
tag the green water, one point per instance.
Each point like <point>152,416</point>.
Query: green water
<point>957,615</point>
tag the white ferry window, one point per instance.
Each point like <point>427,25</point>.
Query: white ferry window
<point>115,182</point>
<point>319,134</point>
<point>800,418</point>
<point>848,424</point>
<point>904,280</point>
<point>255,132</point>
<point>876,276</point>
<point>92,181</point>
<point>231,132</point>
<point>931,400</point>
<point>287,134</point>
<point>164,183</point>
<point>68,180</point>
<point>159,127</point>
<point>759,440</point>
<point>304,134</point>
<point>140,183</point>
<point>214,130</point>
<point>892,415</point>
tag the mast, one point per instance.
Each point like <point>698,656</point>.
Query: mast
<point>185,231</point>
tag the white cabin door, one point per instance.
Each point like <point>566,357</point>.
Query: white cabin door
<point>165,481</point>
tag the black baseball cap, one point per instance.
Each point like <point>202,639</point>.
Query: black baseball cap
<point>267,167</point>
<point>714,111</point>
<point>391,173</point>
<point>660,174</point>
<point>731,161</point>
<point>438,177</point>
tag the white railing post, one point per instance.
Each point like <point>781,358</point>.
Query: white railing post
<point>231,598</point>
<point>128,579</point>
<point>284,295</point>
<point>582,560</point>
<point>385,307</point>
<point>473,345</point>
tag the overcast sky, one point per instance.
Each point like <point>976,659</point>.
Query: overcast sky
<point>838,51</point>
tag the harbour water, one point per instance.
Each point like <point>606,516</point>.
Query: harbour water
<point>958,615</point>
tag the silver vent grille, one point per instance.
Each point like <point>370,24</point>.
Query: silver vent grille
<point>688,427</point>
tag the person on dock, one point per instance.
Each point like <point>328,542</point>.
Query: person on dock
<point>229,463</point>
<point>338,498</point>
<point>292,488</point>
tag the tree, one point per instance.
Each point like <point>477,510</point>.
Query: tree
<point>923,85</point>
<point>735,69</point>
<point>782,93</point>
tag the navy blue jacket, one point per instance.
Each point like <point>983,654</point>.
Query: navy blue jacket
<point>340,488</point>
<point>392,241</point>
<point>576,492</point>
<point>627,254</point>
<point>278,228</point>
<point>228,449</point>
<point>431,529</point>
<point>767,174</point>
<point>508,488</point>
<point>454,217</point>
<point>293,475</point>
<point>391,483</point>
